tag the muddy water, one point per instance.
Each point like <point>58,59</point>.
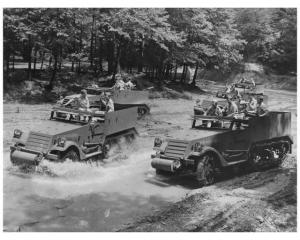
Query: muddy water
<point>103,197</point>
<point>85,197</point>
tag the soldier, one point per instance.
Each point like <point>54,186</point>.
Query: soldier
<point>261,107</point>
<point>228,88</point>
<point>253,82</point>
<point>242,80</point>
<point>236,93</point>
<point>120,84</point>
<point>214,109</point>
<point>129,85</point>
<point>82,101</point>
<point>252,105</point>
<point>231,109</point>
<point>107,102</point>
<point>198,109</point>
<point>110,105</point>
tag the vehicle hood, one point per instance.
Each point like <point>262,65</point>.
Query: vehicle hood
<point>52,128</point>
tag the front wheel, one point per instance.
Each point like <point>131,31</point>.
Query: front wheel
<point>205,172</point>
<point>72,155</point>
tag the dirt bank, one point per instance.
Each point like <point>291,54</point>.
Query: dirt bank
<point>260,202</point>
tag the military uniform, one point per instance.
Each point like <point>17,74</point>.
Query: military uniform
<point>120,84</point>
<point>231,109</point>
<point>261,109</point>
<point>110,105</point>
<point>83,103</point>
<point>252,106</point>
<point>129,85</point>
<point>214,111</point>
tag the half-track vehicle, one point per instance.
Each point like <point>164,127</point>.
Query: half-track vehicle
<point>245,88</point>
<point>249,88</point>
<point>122,98</point>
<point>254,143</point>
<point>73,134</point>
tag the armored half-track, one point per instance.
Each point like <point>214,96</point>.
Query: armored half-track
<point>122,98</point>
<point>73,134</point>
<point>245,88</point>
<point>249,88</point>
<point>254,143</point>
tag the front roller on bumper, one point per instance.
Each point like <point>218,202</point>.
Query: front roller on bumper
<point>24,158</point>
<point>166,164</point>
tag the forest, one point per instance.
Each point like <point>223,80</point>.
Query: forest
<point>156,41</point>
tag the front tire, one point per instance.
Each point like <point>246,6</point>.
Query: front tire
<point>205,172</point>
<point>72,155</point>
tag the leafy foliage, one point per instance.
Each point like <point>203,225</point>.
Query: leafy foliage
<point>153,39</point>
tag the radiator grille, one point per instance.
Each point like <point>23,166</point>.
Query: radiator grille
<point>176,148</point>
<point>38,142</point>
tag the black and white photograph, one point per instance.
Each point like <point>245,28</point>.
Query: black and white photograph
<point>149,119</point>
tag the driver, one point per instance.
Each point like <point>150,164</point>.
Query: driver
<point>82,101</point>
<point>231,108</point>
<point>214,109</point>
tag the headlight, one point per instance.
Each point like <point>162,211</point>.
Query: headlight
<point>157,142</point>
<point>17,133</point>
<point>176,164</point>
<point>198,147</point>
<point>61,142</point>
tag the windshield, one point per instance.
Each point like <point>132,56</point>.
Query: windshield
<point>70,117</point>
<point>220,123</point>
<point>97,91</point>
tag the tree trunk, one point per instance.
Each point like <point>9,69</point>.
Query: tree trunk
<point>100,55</point>
<point>183,73</point>
<point>50,61</point>
<point>42,63</point>
<point>92,43</point>
<point>175,73</point>
<point>152,73</point>
<point>13,62</point>
<point>50,86</point>
<point>117,63</point>
<point>156,72</point>
<point>79,67</point>
<point>7,56</point>
<point>29,58</point>
<point>195,74</point>
<point>140,63</point>
<point>80,48</point>
<point>110,57</point>
<point>34,61</point>
<point>60,57</point>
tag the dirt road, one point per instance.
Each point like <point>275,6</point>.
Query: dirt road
<point>124,189</point>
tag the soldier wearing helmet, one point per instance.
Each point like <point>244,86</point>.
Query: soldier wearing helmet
<point>214,109</point>
<point>82,102</point>
<point>120,84</point>
<point>261,107</point>
<point>231,108</point>
<point>107,102</point>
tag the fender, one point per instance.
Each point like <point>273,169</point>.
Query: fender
<point>290,137</point>
<point>205,150</point>
<point>67,145</point>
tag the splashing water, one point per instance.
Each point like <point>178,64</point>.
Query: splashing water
<point>73,178</point>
